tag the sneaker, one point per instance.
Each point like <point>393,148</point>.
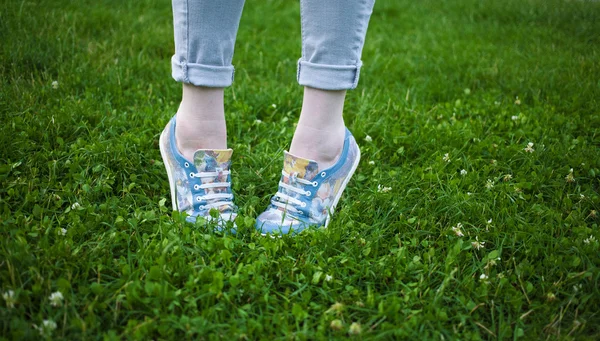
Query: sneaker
<point>307,195</point>
<point>201,185</point>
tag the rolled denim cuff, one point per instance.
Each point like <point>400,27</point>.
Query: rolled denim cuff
<point>328,77</point>
<point>202,75</point>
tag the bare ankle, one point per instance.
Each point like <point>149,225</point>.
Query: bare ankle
<point>322,146</point>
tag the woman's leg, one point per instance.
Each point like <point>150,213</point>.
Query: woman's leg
<point>333,35</point>
<point>205,32</point>
<point>193,144</point>
<point>323,155</point>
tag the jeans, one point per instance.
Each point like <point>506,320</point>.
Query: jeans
<point>333,35</point>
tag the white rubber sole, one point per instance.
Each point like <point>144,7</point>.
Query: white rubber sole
<point>163,154</point>
<point>343,187</point>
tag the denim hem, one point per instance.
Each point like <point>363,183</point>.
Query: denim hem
<point>202,75</point>
<point>328,77</point>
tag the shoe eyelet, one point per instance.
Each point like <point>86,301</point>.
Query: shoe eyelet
<point>186,165</point>
<point>191,175</point>
<point>198,199</point>
<point>303,204</point>
<point>308,193</point>
<point>323,174</point>
<point>196,187</point>
<point>315,184</point>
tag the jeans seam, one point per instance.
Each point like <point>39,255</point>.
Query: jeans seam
<point>298,68</point>
<point>302,30</point>
<point>356,74</point>
<point>186,78</point>
<point>360,31</point>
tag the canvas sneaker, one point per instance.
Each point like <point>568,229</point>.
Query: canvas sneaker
<point>307,195</point>
<point>198,185</point>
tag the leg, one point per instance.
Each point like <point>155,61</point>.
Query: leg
<point>333,34</point>
<point>193,144</point>
<point>205,33</point>
<point>323,155</point>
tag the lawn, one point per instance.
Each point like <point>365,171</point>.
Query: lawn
<point>473,214</point>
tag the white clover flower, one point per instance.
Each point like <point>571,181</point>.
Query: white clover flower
<point>62,232</point>
<point>49,324</point>
<point>274,105</point>
<point>507,177</point>
<point>514,117</point>
<point>355,329</point>
<point>9,298</point>
<point>56,299</point>
<point>469,193</point>
<point>517,101</point>
<point>529,148</point>
<point>488,224</point>
<point>75,206</point>
<point>47,327</point>
<point>336,324</point>
<point>496,103</point>
<point>457,230</point>
<point>477,244</point>
<point>446,157</point>
<point>483,276</point>
<point>257,121</point>
<point>489,184</point>
<point>570,177</point>
<point>337,308</point>
<point>55,85</point>
<point>590,239</point>
<point>368,138</point>
<point>328,278</point>
<point>463,172</point>
<point>382,189</point>
<point>494,162</point>
<point>371,163</point>
<point>581,196</point>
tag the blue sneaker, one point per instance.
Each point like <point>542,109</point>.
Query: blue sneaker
<point>201,185</point>
<point>307,195</point>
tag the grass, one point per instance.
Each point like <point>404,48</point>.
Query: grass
<point>446,86</point>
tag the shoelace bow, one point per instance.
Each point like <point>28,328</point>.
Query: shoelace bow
<point>214,200</point>
<point>288,202</point>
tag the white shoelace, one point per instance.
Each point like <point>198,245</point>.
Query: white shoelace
<point>288,202</point>
<point>227,197</point>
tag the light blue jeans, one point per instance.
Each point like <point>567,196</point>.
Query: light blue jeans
<point>333,35</point>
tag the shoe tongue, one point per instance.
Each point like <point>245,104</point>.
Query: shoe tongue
<point>208,160</point>
<point>304,168</point>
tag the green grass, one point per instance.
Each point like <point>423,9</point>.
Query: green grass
<point>440,77</point>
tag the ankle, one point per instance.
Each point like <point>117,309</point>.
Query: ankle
<point>322,146</point>
<point>200,121</point>
<point>193,135</point>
